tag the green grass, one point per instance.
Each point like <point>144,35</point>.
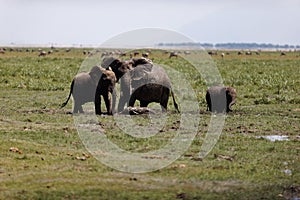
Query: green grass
<point>32,89</point>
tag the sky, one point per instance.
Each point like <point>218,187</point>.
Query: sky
<point>92,22</point>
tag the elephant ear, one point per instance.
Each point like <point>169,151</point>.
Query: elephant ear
<point>140,72</point>
<point>111,62</point>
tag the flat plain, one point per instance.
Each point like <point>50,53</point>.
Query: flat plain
<point>42,156</point>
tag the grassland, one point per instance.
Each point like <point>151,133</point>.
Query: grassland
<point>48,164</point>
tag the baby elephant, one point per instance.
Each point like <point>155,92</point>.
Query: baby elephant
<point>87,87</point>
<point>220,98</point>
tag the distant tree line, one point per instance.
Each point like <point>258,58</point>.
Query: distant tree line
<point>231,45</point>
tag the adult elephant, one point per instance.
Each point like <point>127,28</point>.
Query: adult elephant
<point>125,81</point>
<point>87,87</point>
<point>220,98</point>
<point>147,83</point>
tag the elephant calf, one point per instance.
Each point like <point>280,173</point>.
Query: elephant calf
<point>220,98</point>
<point>87,87</point>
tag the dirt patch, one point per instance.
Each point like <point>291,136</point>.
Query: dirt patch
<point>44,111</point>
<point>296,110</point>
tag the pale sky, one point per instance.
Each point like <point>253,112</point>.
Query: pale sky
<point>93,22</point>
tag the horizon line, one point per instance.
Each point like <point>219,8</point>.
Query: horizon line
<point>56,45</point>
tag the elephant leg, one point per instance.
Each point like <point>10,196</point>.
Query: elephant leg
<point>164,107</point>
<point>108,103</point>
<point>77,108</point>
<point>164,99</point>
<point>124,99</point>
<point>97,102</point>
<point>80,109</point>
<point>121,105</point>
<point>208,101</point>
<point>114,98</point>
<point>125,89</point>
<point>164,103</point>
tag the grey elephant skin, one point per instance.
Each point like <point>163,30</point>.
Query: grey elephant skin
<point>125,81</point>
<point>147,83</point>
<point>220,98</point>
<point>88,86</point>
<point>106,88</point>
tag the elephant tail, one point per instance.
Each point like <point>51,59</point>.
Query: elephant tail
<point>71,90</point>
<point>174,101</point>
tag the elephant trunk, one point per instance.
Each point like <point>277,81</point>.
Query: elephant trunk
<point>231,103</point>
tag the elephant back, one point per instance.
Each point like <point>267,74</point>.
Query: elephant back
<point>149,74</point>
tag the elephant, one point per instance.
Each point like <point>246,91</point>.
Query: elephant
<point>125,81</point>
<point>220,98</point>
<point>147,83</point>
<point>173,54</point>
<point>87,87</point>
<point>42,53</point>
<point>106,88</point>
<point>118,67</point>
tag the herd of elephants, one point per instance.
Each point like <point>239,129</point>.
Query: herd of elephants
<point>139,79</point>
